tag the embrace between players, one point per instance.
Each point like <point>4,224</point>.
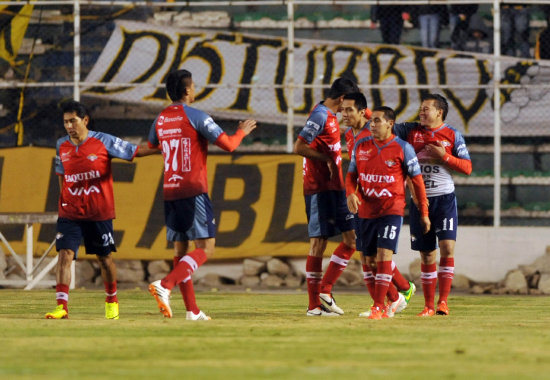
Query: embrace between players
<point>380,164</point>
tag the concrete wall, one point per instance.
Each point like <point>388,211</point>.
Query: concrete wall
<point>486,254</point>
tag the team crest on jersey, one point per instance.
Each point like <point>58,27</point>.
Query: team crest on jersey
<point>445,143</point>
<point>92,157</point>
<point>390,163</point>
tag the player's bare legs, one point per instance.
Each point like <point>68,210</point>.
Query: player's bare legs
<point>107,267</point>
<point>445,274</point>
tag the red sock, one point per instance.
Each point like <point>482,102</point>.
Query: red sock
<point>429,281</point>
<point>314,272</point>
<point>187,291</point>
<point>62,295</point>
<point>338,262</point>
<point>186,266</point>
<point>398,280</point>
<point>368,276</point>
<point>445,277</point>
<point>382,282</point>
<point>392,294</point>
<point>110,292</point>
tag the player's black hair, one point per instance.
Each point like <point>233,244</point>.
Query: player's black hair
<point>342,86</point>
<point>79,109</point>
<point>440,103</point>
<point>359,98</point>
<point>389,113</point>
<point>176,83</point>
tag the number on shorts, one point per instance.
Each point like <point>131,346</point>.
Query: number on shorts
<point>390,232</point>
<point>450,221</point>
<point>107,239</point>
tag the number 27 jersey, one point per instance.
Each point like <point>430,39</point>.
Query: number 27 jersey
<point>183,133</point>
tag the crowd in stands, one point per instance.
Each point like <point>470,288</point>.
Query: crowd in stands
<point>469,30</point>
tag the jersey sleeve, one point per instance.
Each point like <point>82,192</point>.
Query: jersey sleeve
<point>460,150</point>
<point>204,124</point>
<point>410,161</point>
<point>59,169</point>
<point>152,138</point>
<point>315,124</point>
<point>116,147</point>
<point>402,130</point>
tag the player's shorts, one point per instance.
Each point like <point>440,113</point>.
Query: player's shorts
<point>377,233</point>
<point>328,214</point>
<point>98,236</point>
<point>189,219</point>
<point>444,220</point>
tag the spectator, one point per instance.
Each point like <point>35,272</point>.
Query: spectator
<point>390,18</point>
<point>459,21</point>
<point>480,38</point>
<point>430,19</point>
<point>542,48</point>
<point>515,30</point>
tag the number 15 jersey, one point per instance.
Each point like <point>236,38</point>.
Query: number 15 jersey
<point>182,133</point>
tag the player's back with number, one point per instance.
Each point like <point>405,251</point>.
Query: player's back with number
<point>183,133</point>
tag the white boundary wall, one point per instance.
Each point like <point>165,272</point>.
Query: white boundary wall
<point>486,254</point>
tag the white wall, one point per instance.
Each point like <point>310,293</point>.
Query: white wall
<point>486,254</point>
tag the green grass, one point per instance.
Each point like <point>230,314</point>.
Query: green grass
<point>267,335</point>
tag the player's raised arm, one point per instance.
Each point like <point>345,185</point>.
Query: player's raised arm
<point>230,143</point>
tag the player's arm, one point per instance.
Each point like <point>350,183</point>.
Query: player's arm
<point>411,190</point>
<point>146,149</point>
<point>420,191</point>
<point>230,143</point>
<point>352,198</point>
<point>60,179</point>
<point>302,148</point>
<point>461,165</point>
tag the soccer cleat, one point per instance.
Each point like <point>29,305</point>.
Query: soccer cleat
<point>409,292</point>
<point>190,316</point>
<point>321,311</point>
<point>427,312</point>
<point>111,310</point>
<point>330,303</point>
<point>396,307</point>
<point>442,308</point>
<point>58,313</point>
<point>162,296</point>
<point>366,313</point>
<point>377,313</point>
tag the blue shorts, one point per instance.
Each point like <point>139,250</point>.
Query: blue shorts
<point>189,219</point>
<point>328,214</point>
<point>377,233</point>
<point>444,220</point>
<point>98,236</point>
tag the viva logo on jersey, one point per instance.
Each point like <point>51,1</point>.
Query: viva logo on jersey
<point>79,191</point>
<point>373,193</point>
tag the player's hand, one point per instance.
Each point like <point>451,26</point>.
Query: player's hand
<point>435,151</point>
<point>247,126</point>
<point>426,224</point>
<point>353,203</point>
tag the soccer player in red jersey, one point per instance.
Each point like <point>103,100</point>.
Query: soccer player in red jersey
<point>375,189</point>
<point>320,145</point>
<point>183,133</point>
<point>356,115</point>
<point>440,149</point>
<point>86,203</point>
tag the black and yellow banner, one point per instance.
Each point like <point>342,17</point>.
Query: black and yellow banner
<point>14,20</point>
<point>258,203</point>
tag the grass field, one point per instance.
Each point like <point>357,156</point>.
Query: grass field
<point>267,335</point>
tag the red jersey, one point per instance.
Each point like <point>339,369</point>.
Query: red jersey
<point>437,177</point>
<point>322,133</point>
<point>379,170</point>
<point>182,133</point>
<point>351,139</point>
<point>87,191</point>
